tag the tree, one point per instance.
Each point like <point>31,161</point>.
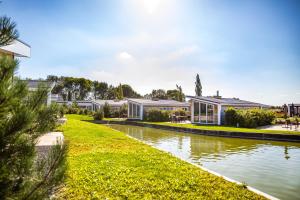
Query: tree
<point>119,92</point>
<point>8,31</point>
<point>198,88</point>
<point>24,117</point>
<point>159,94</point>
<point>176,94</point>
<point>100,89</point>
<point>180,95</point>
<point>129,92</point>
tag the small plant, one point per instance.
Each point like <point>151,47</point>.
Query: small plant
<point>98,115</point>
<point>107,110</point>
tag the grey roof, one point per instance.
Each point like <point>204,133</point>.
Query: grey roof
<point>111,102</point>
<point>33,84</point>
<point>229,101</point>
<point>160,102</point>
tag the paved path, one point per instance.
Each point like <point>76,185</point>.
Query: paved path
<point>280,128</point>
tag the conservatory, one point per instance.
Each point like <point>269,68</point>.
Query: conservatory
<point>211,110</point>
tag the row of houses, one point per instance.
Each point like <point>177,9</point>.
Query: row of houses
<point>203,110</point>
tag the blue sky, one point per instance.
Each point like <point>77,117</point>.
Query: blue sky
<point>248,49</point>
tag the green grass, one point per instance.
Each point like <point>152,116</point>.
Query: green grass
<point>224,128</point>
<point>106,164</point>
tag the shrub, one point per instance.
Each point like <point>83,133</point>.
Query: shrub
<point>73,109</point>
<point>98,115</point>
<point>155,115</point>
<point>107,110</point>
<point>231,117</point>
<point>249,118</point>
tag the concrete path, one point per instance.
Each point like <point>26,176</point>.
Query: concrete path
<point>280,128</point>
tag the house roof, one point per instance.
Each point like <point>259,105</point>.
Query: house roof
<point>18,48</point>
<point>34,84</point>
<point>160,102</point>
<point>111,102</point>
<point>228,101</point>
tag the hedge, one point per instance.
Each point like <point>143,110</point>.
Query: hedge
<point>249,118</point>
<point>155,115</point>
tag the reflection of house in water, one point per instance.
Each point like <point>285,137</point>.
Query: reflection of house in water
<point>219,146</point>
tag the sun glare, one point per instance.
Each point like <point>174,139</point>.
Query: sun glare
<point>151,5</point>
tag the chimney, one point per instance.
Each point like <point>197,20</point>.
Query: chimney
<point>217,93</point>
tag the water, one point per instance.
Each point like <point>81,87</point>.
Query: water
<point>272,167</point>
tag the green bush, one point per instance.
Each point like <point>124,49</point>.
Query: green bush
<point>107,110</point>
<point>98,115</point>
<point>155,115</point>
<point>231,117</point>
<point>249,118</point>
<point>73,109</point>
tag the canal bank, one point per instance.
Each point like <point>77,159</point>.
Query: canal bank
<point>231,134</point>
<point>106,164</point>
<point>269,166</point>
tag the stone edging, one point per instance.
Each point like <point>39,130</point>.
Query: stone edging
<point>245,135</point>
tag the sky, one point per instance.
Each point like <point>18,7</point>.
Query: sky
<point>248,49</point>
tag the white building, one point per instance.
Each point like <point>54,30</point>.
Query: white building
<point>211,110</point>
<point>34,84</point>
<point>137,107</point>
<point>17,48</point>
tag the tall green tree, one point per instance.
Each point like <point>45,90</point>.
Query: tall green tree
<point>119,92</point>
<point>159,94</point>
<point>24,117</point>
<point>100,89</point>
<point>198,87</point>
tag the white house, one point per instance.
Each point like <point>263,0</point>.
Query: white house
<point>211,110</point>
<point>17,48</point>
<point>34,84</point>
<point>293,109</point>
<point>137,107</point>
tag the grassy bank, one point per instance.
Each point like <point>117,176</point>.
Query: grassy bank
<point>106,164</point>
<point>225,128</point>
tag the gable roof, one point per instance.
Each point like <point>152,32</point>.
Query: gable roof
<point>229,101</point>
<point>160,102</point>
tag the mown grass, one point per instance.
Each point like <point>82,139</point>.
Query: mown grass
<point>106,164</point>
<point>225,128</point>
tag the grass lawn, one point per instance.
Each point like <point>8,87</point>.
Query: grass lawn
<point>224,128</point>
<point>106,164</point>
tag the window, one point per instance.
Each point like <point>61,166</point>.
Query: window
<point>210,114</point>
<point>138,111</point>
<point>196,111</point>
<point>203,113</point>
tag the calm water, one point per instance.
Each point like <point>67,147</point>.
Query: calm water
<point>272,167</point>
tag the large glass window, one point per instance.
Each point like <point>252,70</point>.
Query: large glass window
<point>130,110</point>
<point>215,114</point>
<point>134,110</point>
<point>196,111</point>
<point>210,114</point>
<point>203,113</point>
<point>138,111</point>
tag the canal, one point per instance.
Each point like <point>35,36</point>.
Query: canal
<point>272,167</point>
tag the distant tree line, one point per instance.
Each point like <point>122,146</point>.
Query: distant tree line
<point>71,88</point>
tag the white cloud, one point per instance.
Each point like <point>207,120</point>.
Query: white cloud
<point>125,55</point>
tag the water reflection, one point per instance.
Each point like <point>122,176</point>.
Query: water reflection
<point>272,167</point>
